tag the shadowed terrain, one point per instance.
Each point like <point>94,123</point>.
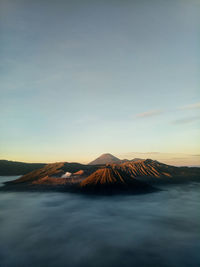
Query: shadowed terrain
<point>18,168</point>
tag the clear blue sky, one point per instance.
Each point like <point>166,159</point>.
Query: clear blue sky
<point>80,78</point>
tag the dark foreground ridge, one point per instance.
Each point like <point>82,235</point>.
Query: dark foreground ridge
<point>8,167</point>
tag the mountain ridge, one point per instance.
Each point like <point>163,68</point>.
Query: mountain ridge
<point>135,169</point>
<point>107,158</point>
<point>128,176</point>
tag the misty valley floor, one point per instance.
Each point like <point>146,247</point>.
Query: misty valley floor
<point>63,229</point>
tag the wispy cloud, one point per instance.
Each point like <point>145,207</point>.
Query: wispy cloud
<point>147,153</point>
<point>191,106</point>
<point>186,120</point>
<point>150,113</point>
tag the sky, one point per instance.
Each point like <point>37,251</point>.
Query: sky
<point>81,78</point>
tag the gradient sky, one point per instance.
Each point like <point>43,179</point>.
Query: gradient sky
<point>79,78</point>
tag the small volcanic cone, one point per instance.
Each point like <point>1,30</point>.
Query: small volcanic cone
<point>112,180</point>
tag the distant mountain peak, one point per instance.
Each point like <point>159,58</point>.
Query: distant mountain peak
<point>104,159</point>
<point>107,155</point>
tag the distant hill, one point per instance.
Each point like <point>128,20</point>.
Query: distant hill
<point>105,159</point>
<point>8,168</point>
<point>108,158</point>
<point>135,159</point>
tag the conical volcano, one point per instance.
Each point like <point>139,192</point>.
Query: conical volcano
<point>111,179</point>
<point>105,159</point>
<point>106,175</point>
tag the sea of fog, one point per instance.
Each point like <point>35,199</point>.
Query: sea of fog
<point>48,229</point>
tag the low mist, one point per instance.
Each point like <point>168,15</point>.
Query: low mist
<point>63,229</point>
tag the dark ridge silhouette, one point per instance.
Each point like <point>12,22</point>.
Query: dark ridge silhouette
<point>9,168</point>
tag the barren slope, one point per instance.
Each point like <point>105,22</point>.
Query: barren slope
<point>56,170</point>
<point>111,179</point>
